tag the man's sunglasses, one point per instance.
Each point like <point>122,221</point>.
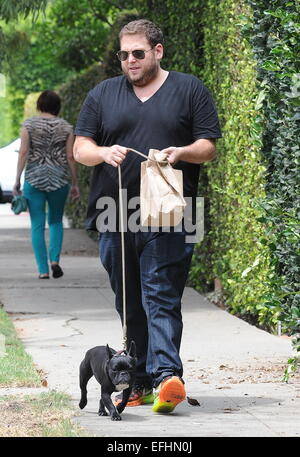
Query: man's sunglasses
<point>137,54</point>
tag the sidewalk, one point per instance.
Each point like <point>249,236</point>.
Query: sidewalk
<point>233,369</point>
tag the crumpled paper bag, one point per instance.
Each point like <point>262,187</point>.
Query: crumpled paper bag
<point>161,192</point>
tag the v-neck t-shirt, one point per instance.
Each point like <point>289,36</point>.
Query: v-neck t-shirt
<point>180,112</point>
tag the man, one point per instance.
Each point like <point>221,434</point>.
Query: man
<point>148,107</point>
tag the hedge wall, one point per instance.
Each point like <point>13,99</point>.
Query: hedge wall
<point>274,36</point>
<point>238,258</point>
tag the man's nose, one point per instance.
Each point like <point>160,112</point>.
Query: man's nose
<point>131,57</point>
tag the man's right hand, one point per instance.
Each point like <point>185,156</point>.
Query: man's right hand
<point>114,155</point>
<point>87,152</point>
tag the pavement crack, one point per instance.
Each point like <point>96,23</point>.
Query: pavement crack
<point>76,330</point>
<point>15,314</point>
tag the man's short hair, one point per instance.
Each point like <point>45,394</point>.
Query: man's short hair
<point>48,102</point>
<point>152,32</point>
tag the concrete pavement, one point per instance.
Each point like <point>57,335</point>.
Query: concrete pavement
<point>233,369</point>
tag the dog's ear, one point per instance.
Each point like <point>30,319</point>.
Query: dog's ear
<point>108,352</point>
<point>132,349</point>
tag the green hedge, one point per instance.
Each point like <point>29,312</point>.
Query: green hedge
<point>238,257</point>
<point>274,36</point>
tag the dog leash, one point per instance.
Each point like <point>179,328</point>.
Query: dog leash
<point>123,259</point>
<point>123,241</point>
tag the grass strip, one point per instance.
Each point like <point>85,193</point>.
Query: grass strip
<point>44,415</point>
<point>16,366</point>
<point>48,414</point>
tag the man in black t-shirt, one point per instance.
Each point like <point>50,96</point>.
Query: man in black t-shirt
<point>147,108</point>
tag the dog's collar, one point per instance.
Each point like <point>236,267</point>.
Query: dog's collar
<point>122,352</point>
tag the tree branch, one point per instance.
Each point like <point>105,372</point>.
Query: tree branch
<point>97,14</point>
<point>118,6</point>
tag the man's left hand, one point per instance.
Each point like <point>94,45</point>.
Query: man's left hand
<point>174,154</point>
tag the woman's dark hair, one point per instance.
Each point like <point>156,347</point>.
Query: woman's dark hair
<point>49,102</point>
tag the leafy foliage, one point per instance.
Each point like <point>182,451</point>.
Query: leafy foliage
<point>274,36</point>
<point>236,179</point>
<point>44,54</point>
<point>76,32</point>
<point>11,9</point>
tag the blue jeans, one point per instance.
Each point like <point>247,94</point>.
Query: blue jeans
<point>157,266</point>
<point>36,200</point>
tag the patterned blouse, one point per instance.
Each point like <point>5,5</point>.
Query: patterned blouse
<point>47,167</point>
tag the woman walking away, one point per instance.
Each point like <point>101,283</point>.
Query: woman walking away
<point>47,151</point>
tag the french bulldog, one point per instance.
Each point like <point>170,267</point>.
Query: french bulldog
<point>115,372</point>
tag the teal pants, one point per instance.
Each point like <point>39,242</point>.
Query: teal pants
<point>36,200</point>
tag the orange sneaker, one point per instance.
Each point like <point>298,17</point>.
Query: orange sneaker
<point>170,393</point>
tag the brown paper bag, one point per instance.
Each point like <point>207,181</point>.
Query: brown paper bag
<point>161,196</point>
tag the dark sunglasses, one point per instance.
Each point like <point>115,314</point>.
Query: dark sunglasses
<point>137,54</point>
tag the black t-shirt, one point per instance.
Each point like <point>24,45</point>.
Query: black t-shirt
<point>179,113</point>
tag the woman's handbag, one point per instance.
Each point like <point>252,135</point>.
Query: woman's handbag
<point>18,204</point>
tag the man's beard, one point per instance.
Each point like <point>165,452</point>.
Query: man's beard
<point>148,75</point>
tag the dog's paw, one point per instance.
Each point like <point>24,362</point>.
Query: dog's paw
<point>116,417</point>
<point>102,413</point>
<point>82,404</point>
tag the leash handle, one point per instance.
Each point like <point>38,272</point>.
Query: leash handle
<point>146,157</point>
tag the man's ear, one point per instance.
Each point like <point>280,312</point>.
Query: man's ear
<point>132,349</point>
<point>108,352</point>
<point>159,51</point>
